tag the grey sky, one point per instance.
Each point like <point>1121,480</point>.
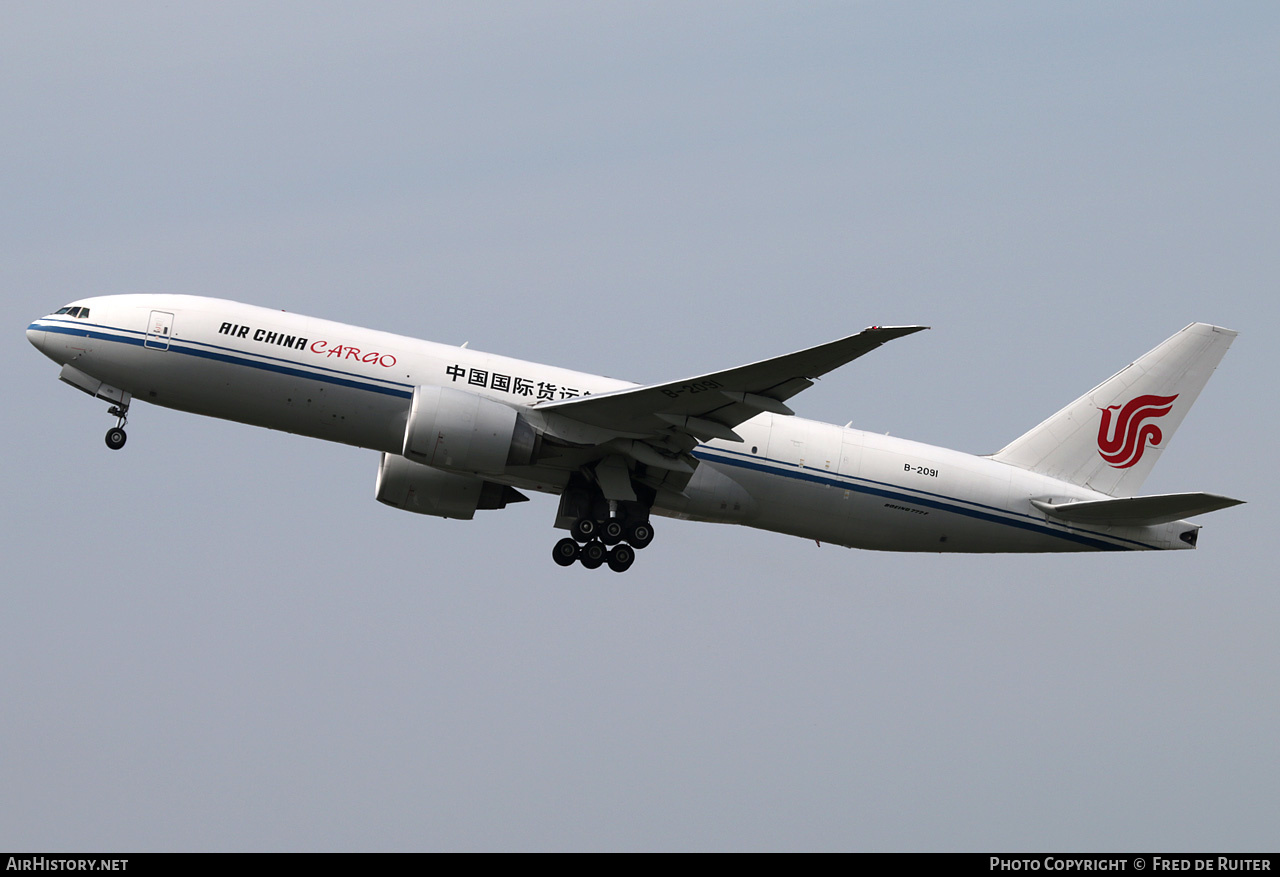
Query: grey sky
<point>216,639</point>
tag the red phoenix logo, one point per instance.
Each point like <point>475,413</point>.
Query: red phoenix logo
<point>1123,443</point>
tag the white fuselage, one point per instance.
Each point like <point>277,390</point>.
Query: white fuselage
<point>352,385</point>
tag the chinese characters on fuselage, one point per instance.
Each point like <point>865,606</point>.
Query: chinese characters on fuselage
<point>539,391</point>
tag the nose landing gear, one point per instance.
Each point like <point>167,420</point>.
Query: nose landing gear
<point>119,398</point>
<point>116,436</point>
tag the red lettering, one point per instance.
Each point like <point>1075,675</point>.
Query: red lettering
<point>386,360</point>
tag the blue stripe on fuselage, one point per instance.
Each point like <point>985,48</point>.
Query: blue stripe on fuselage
<point>216,353</point>
<point>937,501</point>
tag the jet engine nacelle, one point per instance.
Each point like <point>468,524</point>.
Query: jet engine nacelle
<point>416,488</point>
<point>464,432</point>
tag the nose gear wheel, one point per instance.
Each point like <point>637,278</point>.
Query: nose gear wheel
<point>116,436</point>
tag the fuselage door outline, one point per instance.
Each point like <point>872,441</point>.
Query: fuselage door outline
<point>159,330</point>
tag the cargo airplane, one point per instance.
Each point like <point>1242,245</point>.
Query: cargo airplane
<point>461,431</point>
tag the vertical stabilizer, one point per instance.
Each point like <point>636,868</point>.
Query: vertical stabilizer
<point>1110,437</point>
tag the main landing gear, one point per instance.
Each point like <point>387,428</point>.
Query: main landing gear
<point>603,542</point>
<point>116,435</point>
<point>603,529</point>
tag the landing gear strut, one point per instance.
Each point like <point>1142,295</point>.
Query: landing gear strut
<point>116,436</point>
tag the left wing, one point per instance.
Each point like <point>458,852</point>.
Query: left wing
<point>658,425</point>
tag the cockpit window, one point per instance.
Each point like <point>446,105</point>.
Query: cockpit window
<point>80,313</point>
<point>84,313</point>
<point>61,311</point>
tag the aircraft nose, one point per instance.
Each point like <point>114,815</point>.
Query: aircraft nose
<point>36,336</point>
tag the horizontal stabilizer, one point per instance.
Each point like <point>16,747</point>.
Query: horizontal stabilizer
<point>1137,511</point>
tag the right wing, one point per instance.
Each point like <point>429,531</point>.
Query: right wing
<point>710,405</point>
<point>659,425</point>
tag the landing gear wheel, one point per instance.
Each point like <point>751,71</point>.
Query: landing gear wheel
<point>565,552</point>
<point>612,532</point>
<point>116,438</point>
<point>621,558</point>
<point>640,535</point>
<point>585,529</point>
<point>592,555</point>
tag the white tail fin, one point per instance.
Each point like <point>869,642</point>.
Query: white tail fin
<point>1110,437</point>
